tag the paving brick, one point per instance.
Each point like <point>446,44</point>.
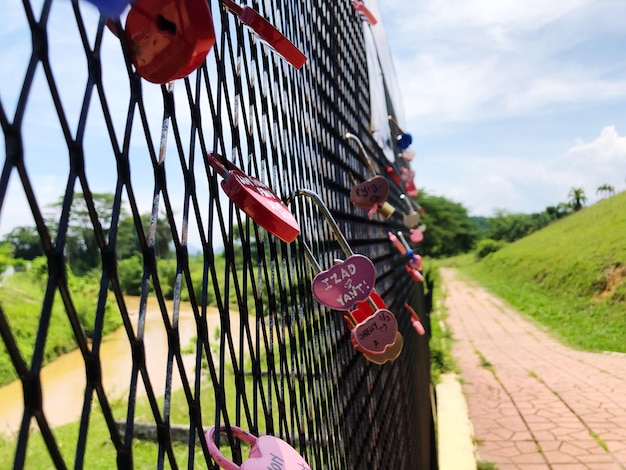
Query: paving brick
<point>535,393</point>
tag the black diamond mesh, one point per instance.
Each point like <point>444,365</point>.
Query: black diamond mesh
<point>278,363</point>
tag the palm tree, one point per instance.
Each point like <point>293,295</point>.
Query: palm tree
<point>606,189</point>
<point>577,198</point>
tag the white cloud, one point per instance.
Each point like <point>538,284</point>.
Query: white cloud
<point>527,185</point>
<point>484,60</point>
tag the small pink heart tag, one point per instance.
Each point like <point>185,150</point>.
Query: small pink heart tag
<point>346,283</point>
<point>376,333</point>
<point>370,193</point>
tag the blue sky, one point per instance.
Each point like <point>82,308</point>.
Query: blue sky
<point>512,103</point>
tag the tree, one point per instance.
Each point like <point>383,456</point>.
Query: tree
<point>509,227</point>
<point>81,248</point>
<point>25,242</point>
<point>6,256</point>
<point>450,231</point>
<point>606,189</point>
<point>577,198</point>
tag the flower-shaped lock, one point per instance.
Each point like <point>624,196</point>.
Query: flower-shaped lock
<point>256,199</point>
<point>169,39</point>
<point>267,452</point>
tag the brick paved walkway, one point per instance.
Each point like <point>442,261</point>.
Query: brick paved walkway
<point>534,403</point>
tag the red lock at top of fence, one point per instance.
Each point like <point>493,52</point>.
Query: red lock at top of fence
<point>267,452</point>
<point>256,199</point>
<point>364,13</point>
<point>169,39</point>
<point>267,32</point>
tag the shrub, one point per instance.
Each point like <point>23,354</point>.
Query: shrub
<point>487,246</point>
<point>130,273</point>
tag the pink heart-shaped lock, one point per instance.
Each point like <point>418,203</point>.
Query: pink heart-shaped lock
<point>266,453</point>
<point>346,283</point>
<point>376,334</point>
<point>370,193</point>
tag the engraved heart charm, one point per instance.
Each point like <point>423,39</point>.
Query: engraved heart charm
<point>346,283</point>
<point>370,193</point>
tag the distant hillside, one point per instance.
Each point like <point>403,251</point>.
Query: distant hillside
<point>569,275</point>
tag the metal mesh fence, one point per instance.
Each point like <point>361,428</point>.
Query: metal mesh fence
<point>230,334</point>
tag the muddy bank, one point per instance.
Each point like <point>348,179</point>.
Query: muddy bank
<point>63,381</point>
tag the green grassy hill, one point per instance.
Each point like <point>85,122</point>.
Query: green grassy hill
<point>570,276</point>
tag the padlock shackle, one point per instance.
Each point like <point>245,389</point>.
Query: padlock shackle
<point>368,160</point>
<point>343,243</point>
<point>214,450</point>
<point>396,125</point>
<point>408,202</point>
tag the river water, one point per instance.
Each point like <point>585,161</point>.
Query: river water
<point>63,381</point>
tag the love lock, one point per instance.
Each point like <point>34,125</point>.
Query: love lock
<point>363,12</point>
<point>417,234</point>
<point>372,194</point>
<point>393,175</point>
<point>346,283</point>
<point>110,8</point>
<point>266,453</point>
<point>415,321</point>
<point>267,32</point>
<point>403,139</point>
<point>409,185</point>
<point>412,218</point>
<point>256,199</point>
<point>407,155</point>
<point>350,283</point>
<point>374,330</point>
<point>414,267</point>
<point>169,39</point>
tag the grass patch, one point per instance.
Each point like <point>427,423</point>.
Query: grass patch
<point>441,360</point>
<point>483,361</point>
<point>570,276</point>
<point>484,465</point>
<point>600,442</point>
<point>100,452</point>
<point>21,297</point>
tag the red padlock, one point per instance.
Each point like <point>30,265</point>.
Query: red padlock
<point>267,32</point>
<point>266,453</point>
<point>169,39</point>
<point>364,12</point>
<point>415,321</point>
<point>257,200</point>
